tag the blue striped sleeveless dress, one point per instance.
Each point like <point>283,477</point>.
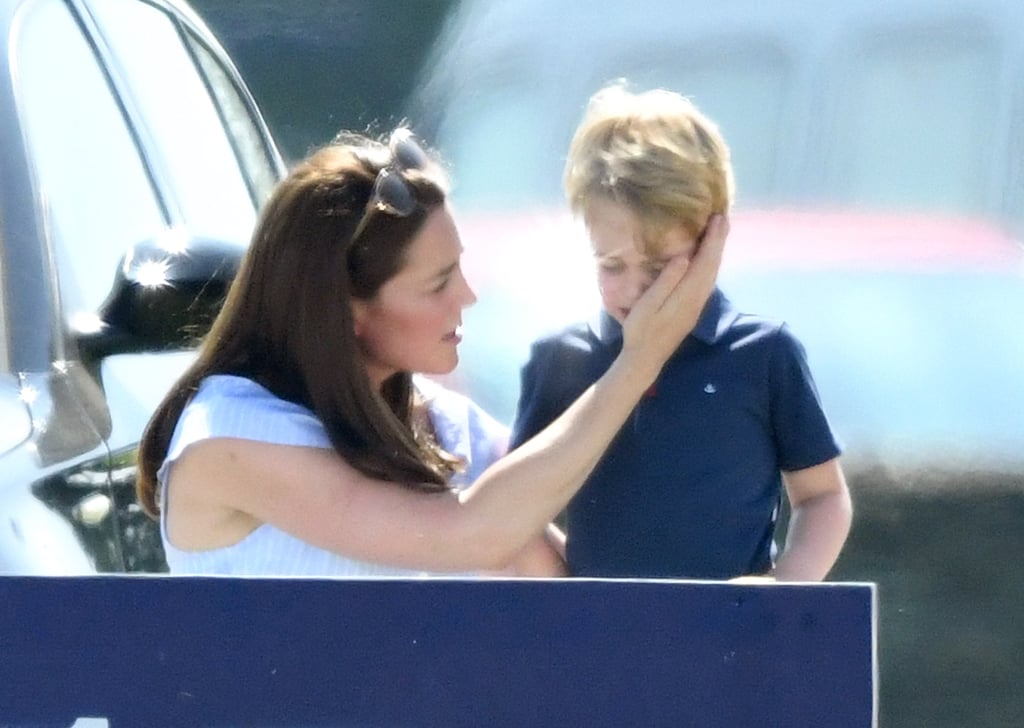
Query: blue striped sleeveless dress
<point>230,406</point>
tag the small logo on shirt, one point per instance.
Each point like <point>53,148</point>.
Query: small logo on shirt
<point>710,388</point>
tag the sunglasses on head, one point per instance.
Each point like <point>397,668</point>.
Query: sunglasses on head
<point>392,194</point>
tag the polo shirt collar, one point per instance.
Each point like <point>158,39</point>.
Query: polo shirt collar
<point>717,316</point>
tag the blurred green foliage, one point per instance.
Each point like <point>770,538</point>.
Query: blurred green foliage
<point>316,67</point>
<point>950,592</point>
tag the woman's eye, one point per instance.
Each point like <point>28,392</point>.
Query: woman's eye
<point>611,267</point>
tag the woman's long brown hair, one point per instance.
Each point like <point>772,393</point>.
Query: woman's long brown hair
<point>287,320</point>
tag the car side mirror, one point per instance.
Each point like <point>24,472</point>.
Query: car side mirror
<point>166,293</point>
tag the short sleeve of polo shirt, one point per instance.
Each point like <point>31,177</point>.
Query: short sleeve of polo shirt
<point>554,376</point>
<point>533,410</point>
<point>803,435</point>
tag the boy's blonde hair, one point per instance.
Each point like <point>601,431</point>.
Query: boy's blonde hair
<point>654,152</point>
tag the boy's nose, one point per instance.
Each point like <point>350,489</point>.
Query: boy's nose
<point>639,282</point>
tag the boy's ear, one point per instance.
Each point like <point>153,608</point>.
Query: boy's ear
<point>704,232</point>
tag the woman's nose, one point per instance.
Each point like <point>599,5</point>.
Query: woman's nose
<point>468,296</point>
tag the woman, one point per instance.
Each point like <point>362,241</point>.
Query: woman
<point>297,442</point>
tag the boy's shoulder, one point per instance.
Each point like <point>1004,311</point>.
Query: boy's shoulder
<point>737,324</point>
<point>747,324</point>
<point>578,335</point>
<point>757,335</point>
<point>569,355</point>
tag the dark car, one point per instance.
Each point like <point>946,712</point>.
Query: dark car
<point>132,165</point>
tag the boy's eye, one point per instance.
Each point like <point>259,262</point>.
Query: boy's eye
<point>442,285</point>
<point>654,268</point>
<point>611,266</point>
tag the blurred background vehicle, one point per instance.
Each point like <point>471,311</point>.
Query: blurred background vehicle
<point>880,206</point>
<point>878,192</point>
<point>132,166</point>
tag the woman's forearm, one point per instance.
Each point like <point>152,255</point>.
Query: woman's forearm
<point>532,484</point>
<point>540,558</point>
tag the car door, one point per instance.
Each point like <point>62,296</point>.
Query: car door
<point>136,127</point>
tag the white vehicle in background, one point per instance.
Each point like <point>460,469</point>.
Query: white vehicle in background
<point>132,164</point>
<point>877,148</point>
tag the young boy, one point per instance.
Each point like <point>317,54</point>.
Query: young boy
<point>692,485</point>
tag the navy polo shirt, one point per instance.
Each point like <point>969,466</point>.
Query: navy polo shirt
<point>691,485</point>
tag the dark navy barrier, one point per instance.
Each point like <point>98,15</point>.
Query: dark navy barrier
<point>152,651</point>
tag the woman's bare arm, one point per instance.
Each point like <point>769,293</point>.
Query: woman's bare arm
<point>540,558</point>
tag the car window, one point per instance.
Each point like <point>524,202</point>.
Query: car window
<point>503,156</point>
<point>1013,192</point>
<point>742,74</point>
<point>938,151</point>
<point>4,361</point>
<point>913,108</point>
<point>179,114</point>
<point>506,140</point>
<point>99,197</point>
<point>83,155</point>
<point>259,163</point>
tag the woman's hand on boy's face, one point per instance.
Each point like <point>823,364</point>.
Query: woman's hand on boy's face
<point>628,258</point>
<point>669,309</point>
